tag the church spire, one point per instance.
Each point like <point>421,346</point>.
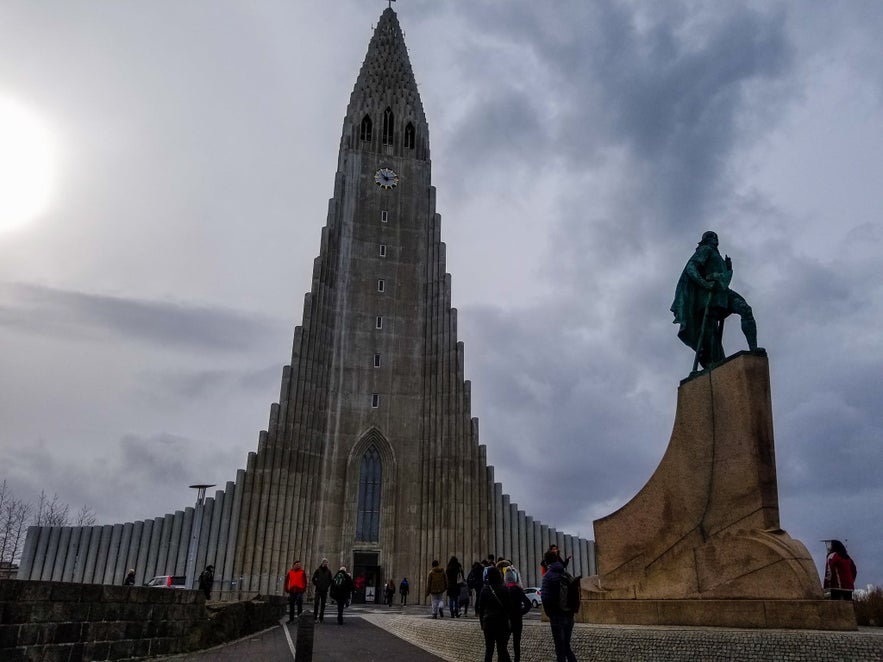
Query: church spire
<point>385,113</point>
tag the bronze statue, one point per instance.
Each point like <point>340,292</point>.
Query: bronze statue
<point>703,299</point>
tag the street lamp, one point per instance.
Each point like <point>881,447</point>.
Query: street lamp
<point>194,533</point>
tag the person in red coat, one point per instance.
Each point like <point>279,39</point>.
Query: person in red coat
<point>840,572</point>
<point>295,586</point>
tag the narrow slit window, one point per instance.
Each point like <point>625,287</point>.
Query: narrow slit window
<point>381,285</point>
<point>409,136</point>
<point>388,122</point>
<point>377,360</point>
<point>365,128</point>
<point>382,250</point>
<point>384,216</point>
<point>375,400</point>
<point>368,508</point>
<point>378,323</point>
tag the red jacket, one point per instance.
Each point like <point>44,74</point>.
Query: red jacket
<point>839,572</point>
<point>296,581</point>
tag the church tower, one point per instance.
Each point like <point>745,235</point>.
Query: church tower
<point>371,457</point>
<point>372,447</point>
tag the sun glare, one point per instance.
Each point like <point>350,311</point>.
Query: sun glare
<point>27,165</point>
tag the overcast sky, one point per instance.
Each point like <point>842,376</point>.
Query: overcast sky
<point>579,151</point>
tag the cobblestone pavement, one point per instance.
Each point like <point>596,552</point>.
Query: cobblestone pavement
<point>411,635</point>
<point>461,641</point>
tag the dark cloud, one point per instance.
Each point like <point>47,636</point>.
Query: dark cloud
<point>45,310</point>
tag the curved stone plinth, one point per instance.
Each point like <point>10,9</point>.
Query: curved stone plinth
<point>706,524</point>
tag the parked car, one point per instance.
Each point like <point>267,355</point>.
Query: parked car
<point>168,581</point>
<point>534,594</point>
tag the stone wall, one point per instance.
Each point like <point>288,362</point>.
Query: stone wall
<point>58,620</point>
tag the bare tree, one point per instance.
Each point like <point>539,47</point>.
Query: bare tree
<point>85,517</point>
<point>51,513</point>
<point>14,516</point>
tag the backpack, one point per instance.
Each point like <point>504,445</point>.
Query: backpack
<point>569,595</point>
<point>474,580</point>
<point>339,579</point>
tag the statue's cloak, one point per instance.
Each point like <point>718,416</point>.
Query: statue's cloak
<point>691,300</point>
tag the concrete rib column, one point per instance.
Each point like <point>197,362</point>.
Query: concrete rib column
<point>538,550</point>
<point>498,520</point>
<point>155,549</point>
<point>545,538</point>
<point>522,540</point>
<point>559,537</point>
<point>211,548</point>
<point>162,559</point>
<point>205,533</point>
<point>131,561</point>
<point>122,554</point>
<point>185,533</point>
<point>245,496</point>
<point>512,521</point>
<point>225,544</point>
<point>572,543</point>
<point>61,556</point>
<point>135,544</point>
<point>82,555</point>
<point>529,571</point>
<point>73,551</point>
<point>51,552</point>
<point>26,563</point>
<point>178,534</point>
<point>142,551</point>
<point>113,551</point>
<point>593,559</point>
<point>103,548</point>
<point>233,543</point>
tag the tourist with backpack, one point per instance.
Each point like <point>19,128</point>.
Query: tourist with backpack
<point>404,589</point>
<point>341,588</point>
<point>558,603</point>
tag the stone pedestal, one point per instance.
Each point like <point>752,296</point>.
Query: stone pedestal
<point>700,544</point>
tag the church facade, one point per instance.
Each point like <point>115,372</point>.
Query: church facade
<point>371,457</point>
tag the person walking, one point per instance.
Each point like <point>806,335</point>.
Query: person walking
<point>474,580</point>
<point>840,571</point>
<point>436,584</point>
<point>519,606</point>
<point>295,585</point>
<point>560,619</point>
<point>494,606</point>
<point>465,597</point>
<point>341,588</point>
<point>390,592</point>
<point>321,583</point>
<point>453,575</point>
<point>404,589</point>
<point>130,578</point>
<point>207,580</point>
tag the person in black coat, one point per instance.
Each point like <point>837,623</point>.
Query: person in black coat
<point>494,606</point>
<point>519,607</point>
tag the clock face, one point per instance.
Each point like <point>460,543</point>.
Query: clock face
<point>386,178</point>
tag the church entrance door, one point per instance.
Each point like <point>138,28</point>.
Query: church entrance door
<point>367,577</point>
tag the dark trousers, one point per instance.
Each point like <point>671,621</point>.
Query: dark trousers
<point>496,633</point>
<point>340,605</point>
<point>562,629</point>
<point>319,605</point>
<point>517,627</point>
<point>295,599</point>
<point>404,599</point>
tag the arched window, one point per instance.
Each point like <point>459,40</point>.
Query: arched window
<point>370,479</point>
<point>365,128</point>
<point>409,136</point>
<point>387,126</point>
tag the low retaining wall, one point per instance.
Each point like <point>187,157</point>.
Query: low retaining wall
<point>60,620</point>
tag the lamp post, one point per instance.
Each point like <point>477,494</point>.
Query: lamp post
<point>195,529</point>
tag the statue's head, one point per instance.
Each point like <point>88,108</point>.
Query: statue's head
<point>709,239</point>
